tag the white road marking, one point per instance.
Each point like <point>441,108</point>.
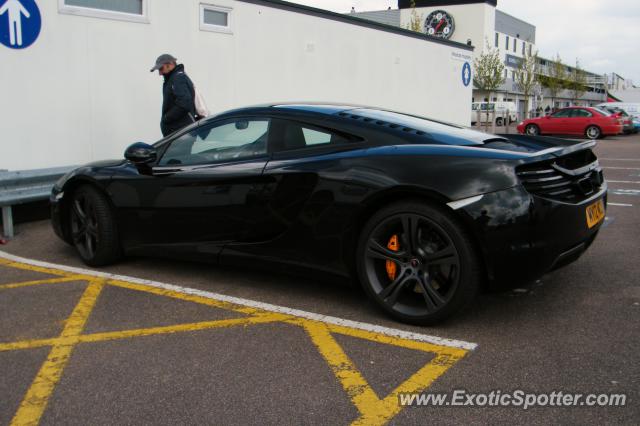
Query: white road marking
<point>623,181</point>
<point>625,191</point>
<point>621,168</point>
<point>254,304</point>
<point>620,204</point>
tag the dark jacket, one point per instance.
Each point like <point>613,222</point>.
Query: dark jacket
<point>178,108</point>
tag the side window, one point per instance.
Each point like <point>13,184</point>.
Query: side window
<point>562,113</point>
<point>315,137</point>
<point>290,135</point>
<point>229,141</point>
<point>581,113</point>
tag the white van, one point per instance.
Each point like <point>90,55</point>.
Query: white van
<point>500,108</point>
<point>631,108</point>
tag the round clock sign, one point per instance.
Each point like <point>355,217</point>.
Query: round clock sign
<point>439,24</point>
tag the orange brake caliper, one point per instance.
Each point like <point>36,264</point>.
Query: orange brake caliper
<point>391,265</point>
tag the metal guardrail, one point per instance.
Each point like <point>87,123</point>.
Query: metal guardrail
<point>19,187</point>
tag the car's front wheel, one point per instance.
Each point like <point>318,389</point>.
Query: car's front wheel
<point>532,130</point>
<point>93,227</point>
<point>417,263</point>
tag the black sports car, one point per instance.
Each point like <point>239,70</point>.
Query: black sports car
<point>421,213</point>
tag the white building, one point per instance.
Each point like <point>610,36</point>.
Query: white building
<point>82,90</point>
<point>481,24</point>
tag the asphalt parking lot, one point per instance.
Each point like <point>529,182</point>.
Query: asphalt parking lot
<point>161,342</point>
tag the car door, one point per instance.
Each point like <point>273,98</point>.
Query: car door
<point>204,191</point>
<point>579,120</point>
<point>304,221</point>
<point>556,123</point>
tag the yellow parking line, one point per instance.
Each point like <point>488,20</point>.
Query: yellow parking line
<point>454,354</point>
<point>354,384</point>
<point>373,410</point>
<point>35,343</point>
<point>26,267</point>
<point>38,282</point>
<point>37,397</point>
<point>186,297</point>
<point>125,334</point>
<point>196,326</point>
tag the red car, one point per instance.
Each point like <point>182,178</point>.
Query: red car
<point>593,123</point>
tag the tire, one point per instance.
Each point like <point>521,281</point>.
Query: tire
<point>499,121</point>
<point>437,272</point>
<point>532,130</point>
<point>93,227</point>
<point>593,132</point>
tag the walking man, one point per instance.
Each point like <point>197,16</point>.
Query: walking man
<point>178,107</point>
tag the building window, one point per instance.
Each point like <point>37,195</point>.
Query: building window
<point>506,43</point>
<point>497,39</point>
<point>513,75</point>
<point>125,10</point>
<point>524,46</point>
<point>505,73</point>
<point>515,45</point>
<point>530,48</point>
<point>215,18</point>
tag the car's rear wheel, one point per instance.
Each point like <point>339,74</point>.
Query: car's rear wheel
<point>93,227</point>
<point>417,263</point>
<point>499,121</point>
<point>532,130</point>
<point>593,132</point>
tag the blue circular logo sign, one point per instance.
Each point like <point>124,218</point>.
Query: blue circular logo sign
<point>20,23</point>
<point>466,74</point>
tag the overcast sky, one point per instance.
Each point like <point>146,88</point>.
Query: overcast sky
<point>603,34</point>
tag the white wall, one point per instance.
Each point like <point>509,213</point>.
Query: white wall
<point>475,22</point>
<point>83,91</point>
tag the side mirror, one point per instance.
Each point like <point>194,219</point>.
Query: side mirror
<point>141,153</point>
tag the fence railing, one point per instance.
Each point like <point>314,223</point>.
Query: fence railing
<point>19,187</point>
<point>502,121</point>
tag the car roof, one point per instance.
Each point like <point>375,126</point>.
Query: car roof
<point>311,107</point>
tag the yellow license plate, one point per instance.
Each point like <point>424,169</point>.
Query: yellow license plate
<point>595,213</point>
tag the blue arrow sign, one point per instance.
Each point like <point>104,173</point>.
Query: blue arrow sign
<point>20,23</point>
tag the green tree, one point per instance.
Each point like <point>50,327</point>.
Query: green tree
<point>488,74</point>
<point>526,77</point>
<point>577,82</point>
<point>556,78</point>
<point>415,24</point>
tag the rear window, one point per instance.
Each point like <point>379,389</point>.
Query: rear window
<point>602,111</point>
<point>440,132</point>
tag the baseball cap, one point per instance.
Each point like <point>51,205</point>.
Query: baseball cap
<point>163,59</point>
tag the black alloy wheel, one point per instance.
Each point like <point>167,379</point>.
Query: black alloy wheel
<point>92,226</point>
<point>417,263</point>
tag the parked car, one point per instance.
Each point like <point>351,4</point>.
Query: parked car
<point>631,108</point>
<point>627,123</point>
<point>420,213</point>
<point>636,123</point>
<point>593,123</point>
<point>486,110</point>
